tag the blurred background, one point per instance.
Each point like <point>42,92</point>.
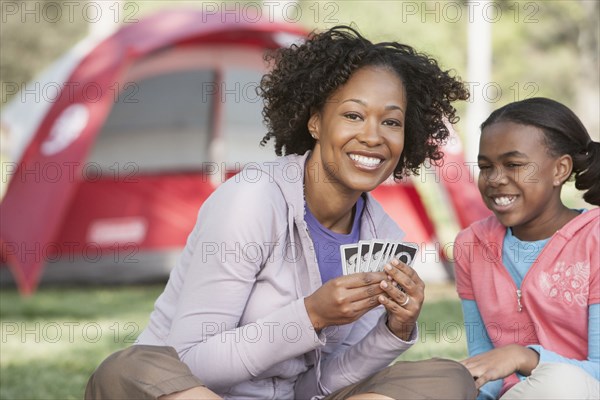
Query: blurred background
<point>209,52</point>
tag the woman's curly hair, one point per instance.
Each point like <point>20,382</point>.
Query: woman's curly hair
<point>305,75</point>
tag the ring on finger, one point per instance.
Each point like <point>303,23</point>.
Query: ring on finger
<point>405,302</point>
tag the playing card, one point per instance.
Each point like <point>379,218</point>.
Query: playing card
<point>387,255</point>
<point>377,248</point>
<point>404,252</point>
<point>349,253</point>
<point>364,247</point>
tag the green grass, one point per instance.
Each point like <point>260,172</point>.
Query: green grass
<point>52,342</point>
<point>441,326</point>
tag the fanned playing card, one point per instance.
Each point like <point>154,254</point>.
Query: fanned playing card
<point>377,249</point>
<point>387,255</point>
<point>365,255</point>
<point>349,253</point>
<point>405,252</point>
<point>372,255</point>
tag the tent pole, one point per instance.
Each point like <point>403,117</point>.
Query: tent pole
<point>104,17</point>
<point>479,67</point>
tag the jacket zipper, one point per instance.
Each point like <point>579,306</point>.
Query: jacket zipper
<point>533,264</point>
<point>504,271</point>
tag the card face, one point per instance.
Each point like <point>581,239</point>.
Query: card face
<point>405,252</point>
<point>365,255</point>
<point>349,253</point>
<point>377,248</point>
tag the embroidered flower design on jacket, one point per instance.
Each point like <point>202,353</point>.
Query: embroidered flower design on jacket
<point>567,283</point>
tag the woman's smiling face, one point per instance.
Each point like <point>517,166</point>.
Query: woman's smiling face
<point>360,129</point>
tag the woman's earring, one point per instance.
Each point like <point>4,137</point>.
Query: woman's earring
<point>313,135</point>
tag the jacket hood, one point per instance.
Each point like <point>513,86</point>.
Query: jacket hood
<point>288,173</point>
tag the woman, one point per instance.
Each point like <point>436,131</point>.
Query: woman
<point>257,306</point>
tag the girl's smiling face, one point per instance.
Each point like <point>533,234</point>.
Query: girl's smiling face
<point>519,180</point>
<point>360,130</point>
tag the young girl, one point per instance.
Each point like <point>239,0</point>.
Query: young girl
<point>528,276</point>
<point>257,306</point>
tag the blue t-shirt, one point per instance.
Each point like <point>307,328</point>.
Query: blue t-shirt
<point>519,255</point>
<point>327,243</point>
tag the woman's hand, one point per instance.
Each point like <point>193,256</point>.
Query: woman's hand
<point>344,299</point>
<point>403,298</point>
<point>501,362</point>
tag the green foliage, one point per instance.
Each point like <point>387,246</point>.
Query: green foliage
<point>30,41</point>
<point>533,41</point>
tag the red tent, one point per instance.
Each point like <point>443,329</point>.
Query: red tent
<point>110,173</point>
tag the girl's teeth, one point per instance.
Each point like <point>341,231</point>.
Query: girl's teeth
<point>367,161</point>
<point>504,200</point>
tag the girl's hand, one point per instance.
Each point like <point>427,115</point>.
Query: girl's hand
<point>403,298</point>
<point>501,362</point>
<point>344,299</point>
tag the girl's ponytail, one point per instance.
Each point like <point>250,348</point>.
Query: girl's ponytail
<point>586,166</point>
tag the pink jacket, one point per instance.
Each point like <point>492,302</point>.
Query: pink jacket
<point>552,306</point>
<point>234,304</point>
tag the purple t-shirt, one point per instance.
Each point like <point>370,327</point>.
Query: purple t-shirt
<point>327,243</point>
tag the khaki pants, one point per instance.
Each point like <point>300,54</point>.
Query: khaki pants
<point>148,372</point>
<point>435,379</point>
<point>140,372</point>
<point>555,381</point>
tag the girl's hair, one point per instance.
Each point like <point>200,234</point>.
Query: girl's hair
<point>305,75</point>
<point>564,134</point>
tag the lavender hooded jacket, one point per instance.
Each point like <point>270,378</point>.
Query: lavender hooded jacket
<point>234,304</point>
